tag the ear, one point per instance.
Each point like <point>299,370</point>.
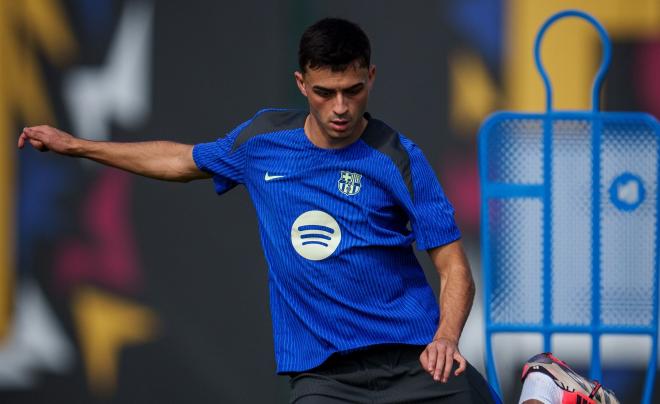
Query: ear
<point>300,82</point>
<point>372,76</point>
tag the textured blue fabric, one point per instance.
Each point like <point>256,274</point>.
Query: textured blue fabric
<point>370,289</point>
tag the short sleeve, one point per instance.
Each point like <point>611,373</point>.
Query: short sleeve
<point>223,160</point>
<point>431,214</point>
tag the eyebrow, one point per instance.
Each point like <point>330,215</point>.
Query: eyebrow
<point>353,87</point>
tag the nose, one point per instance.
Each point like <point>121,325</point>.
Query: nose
<point>340,107</point>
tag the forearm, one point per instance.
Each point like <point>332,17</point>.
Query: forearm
<point>456,297</point>
<point>456,289</point>
<point>157,159</point>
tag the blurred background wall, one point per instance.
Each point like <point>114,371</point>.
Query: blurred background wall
<point>120,289</point>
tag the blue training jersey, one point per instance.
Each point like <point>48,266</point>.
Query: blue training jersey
<point>337,227</point>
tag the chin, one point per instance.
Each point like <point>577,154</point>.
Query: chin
<point>341,135</point>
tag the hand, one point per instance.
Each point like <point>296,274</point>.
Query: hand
<point>44,138</point>
<point>439,356</point>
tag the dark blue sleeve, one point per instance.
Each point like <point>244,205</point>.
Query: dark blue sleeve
<point>431,214</point>
<point>224,161</point>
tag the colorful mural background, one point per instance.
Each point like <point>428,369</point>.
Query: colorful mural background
<point>116,288</point>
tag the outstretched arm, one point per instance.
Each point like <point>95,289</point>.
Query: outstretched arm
<point>158,159</point>
<point>456,296</point>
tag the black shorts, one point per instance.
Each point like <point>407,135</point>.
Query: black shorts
<point>385,374</point>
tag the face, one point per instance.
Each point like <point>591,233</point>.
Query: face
<point>337,101</point>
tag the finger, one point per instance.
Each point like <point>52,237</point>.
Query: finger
<point>21,140</point>
<point>449,362</point>
<point>462,363</point>
<point>27,132</point>
<point>33,132</point>
<point>44,130</point>
<point>36,136</point>
<point>424,360</point>
<point>440,362</point>
<point>433,354</point>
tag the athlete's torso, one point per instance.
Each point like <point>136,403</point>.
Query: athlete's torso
<point>334,228</point>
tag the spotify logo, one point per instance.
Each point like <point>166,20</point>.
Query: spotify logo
<point>315,235</point>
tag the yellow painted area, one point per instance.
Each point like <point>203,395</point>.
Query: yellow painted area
<point>105,324</point>
<point>50,30</point>
<point>27,27</point>
<point>6,206</point>
<point>571,48</point>
<point>473,93</point>
<point>571,54</point>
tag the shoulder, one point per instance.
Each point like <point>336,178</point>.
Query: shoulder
<point>383,138</point>
<point>387,140</point>
<point>270,121</point>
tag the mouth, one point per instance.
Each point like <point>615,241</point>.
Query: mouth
<point>339,125</point>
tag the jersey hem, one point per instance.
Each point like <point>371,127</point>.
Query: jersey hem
<point>316,364</point>
<point>455,236</point>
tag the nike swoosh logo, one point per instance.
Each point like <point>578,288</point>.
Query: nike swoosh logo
<point>272,177</point>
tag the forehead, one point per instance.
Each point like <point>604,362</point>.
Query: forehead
<point>325,77</point>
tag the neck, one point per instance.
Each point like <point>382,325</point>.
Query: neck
<point>319,138</point>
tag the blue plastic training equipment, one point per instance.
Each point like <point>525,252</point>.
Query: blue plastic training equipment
<point>569,212</point>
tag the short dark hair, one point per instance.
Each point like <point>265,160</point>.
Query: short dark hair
<point>335,43</point>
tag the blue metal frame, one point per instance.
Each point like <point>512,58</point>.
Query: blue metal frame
<point>602,70</point>
<point>543,192</point>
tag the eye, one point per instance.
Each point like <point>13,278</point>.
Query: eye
<point>323,93</point>
<point>354,90</point>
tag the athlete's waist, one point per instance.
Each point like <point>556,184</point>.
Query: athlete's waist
<point>390,354</point>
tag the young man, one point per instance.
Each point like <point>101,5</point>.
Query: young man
<point>354,318</point>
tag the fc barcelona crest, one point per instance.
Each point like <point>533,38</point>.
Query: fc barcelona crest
<point>349,183</point>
